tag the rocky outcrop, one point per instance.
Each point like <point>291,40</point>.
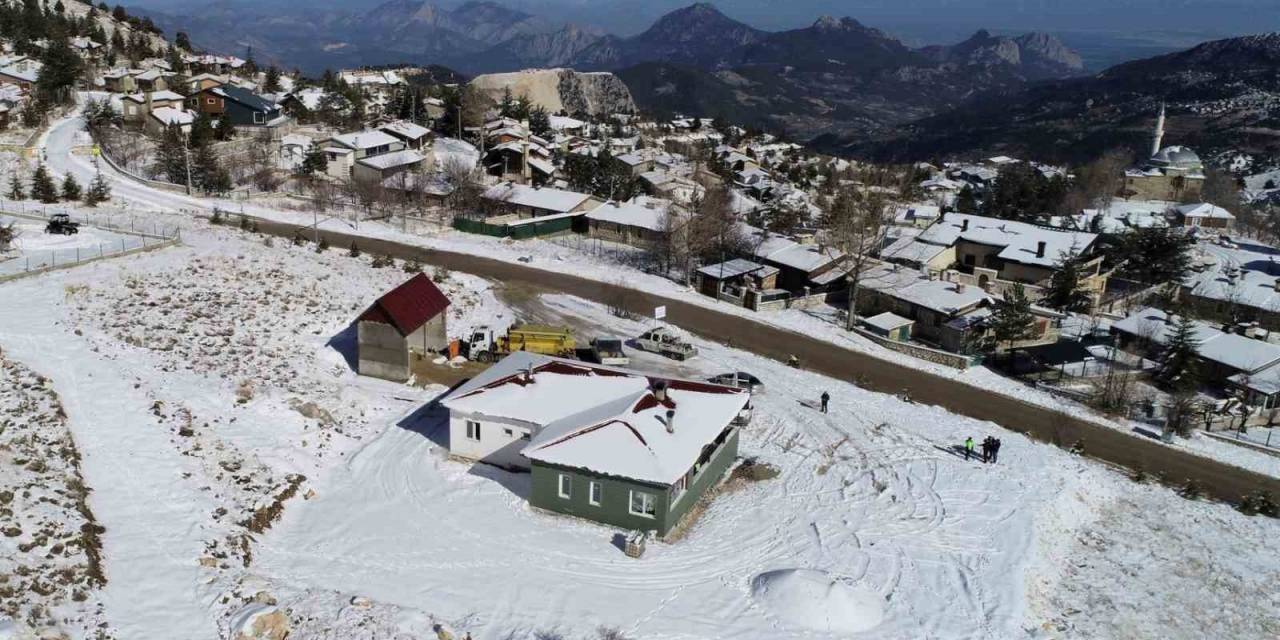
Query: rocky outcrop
<point>559,90</point>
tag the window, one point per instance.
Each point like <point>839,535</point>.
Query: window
<point>594,496</point>
<point>259,117</point>
<point>566,486</point>
<point>643,504</point>
<point>677,489</point>
<point>211,101</point>
<point>508,433</point>
<point>473,430</point>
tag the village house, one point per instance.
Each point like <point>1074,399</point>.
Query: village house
<point>211,64</point>
<point>386,166</point>
<point>404,325</point>
<point>740,282</point>
<point>671,186</point>
<point>944,313</point>
<point>803,267</point>
<point>345,150</point>
<point>609,445</point>
<point>643,222</point>
<point>1243,364</point>
<point>414,136</point>
<point>242,107</point>
<point>525,202</point>
<point>198,83</point>
<point>1204,215</point>
<point>137,106</point>
<point>162,118</point>
<point>20,71</point>
<point>996,254</point>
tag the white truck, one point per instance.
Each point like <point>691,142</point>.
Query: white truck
<point>607,350</point>
<point>664,341</point>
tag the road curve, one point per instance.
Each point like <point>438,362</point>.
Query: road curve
<point>1220,480</point>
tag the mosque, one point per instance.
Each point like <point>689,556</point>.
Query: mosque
<point>1174,173</point>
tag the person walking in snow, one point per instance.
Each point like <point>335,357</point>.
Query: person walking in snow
<point>968,447</point>
<point>826,397</point>
<point>986,449</point>
<point>995,450</point>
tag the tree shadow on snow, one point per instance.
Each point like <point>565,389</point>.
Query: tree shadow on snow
<point>344,342</point>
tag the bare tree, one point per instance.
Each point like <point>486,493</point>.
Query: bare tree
<point>712,232</point>
<point>1101,180</point>
<point>262,163</point>
<point>855,225</point>
<point>8,233</point>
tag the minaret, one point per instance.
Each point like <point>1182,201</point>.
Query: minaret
<point>1155,144</point>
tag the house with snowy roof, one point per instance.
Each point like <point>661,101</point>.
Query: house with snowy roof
<point>1231,360</point>
<point>996,254</point>
<point>645,221</point>
<point>611,445</point>
<point>1205,215</point>
<point>343,151</point>
<point>137,106</point>
<point>403,326</point>
<point>412,134</point>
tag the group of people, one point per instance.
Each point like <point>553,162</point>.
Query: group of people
<point>990,449</point>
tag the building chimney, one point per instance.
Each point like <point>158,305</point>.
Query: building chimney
<point>671,420</point>
<point>1277,284</point>
<point>1040,249</point>
<point>660,391</point>
<point>964,224</point>
<point>528,374</point>
<point>150,107</point>
<point>959,287</point>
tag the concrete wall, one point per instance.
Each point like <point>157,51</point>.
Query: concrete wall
<point>382,352</point>
<point>499,444</point>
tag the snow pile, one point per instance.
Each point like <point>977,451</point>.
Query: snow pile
<point>809,599</point>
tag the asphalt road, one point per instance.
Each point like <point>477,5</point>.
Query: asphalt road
<point>1219,480</point>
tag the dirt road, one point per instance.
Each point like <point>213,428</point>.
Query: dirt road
<point>1219,480</point>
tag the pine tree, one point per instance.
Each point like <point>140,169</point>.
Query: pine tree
<point>208,173</point>
<point>1012,320</point>
<point>16,191</point>
<point>1065,292</point>
<point>71,191</point>
<point>1179,360</point>
<point>42,186</point>
<point>99,191</point>
<point>272,82</point>
<point>316,161</point>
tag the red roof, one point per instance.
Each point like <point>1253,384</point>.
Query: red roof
<point>408,306</point>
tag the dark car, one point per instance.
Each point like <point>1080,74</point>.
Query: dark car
<point>739,379</point>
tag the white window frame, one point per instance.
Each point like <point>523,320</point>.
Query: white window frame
<point>259,117</point>
<point>595,492</point>
<point>473,430</point>
<point>564,486</point>
<point>644,497</point>
<point>509,432</point>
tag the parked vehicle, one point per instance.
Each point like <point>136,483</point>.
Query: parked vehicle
<point>608,351</point>
<point>664,341</point>
<point>484,346</point>
<point>739,379</point>
<point>61,224</point>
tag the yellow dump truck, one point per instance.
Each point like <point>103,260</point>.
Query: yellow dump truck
<point>484,346</point>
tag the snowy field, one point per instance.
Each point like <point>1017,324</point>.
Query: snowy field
<point>35,249</point>
<point>246,479</point>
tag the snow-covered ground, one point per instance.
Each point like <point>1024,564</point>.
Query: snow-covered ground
<point>246,477</point>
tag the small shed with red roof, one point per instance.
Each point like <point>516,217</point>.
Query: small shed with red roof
<point>404,325</point>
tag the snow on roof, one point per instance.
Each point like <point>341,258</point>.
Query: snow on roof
<point>908,249</point>
<point>640,437</point>
<point>916,288</point>
<point>309,97</point>
<point>537,198</point>
<point>560,388</point>
<point>395,159</point>
<point>408,306</point>
<point>1233,350</point>
<point>643,212</point>
<point>1204,210</point>
<point>542,166</point>
<point>405,129</point>
<point>917,212</point>
<point>447,150</point>
<point>169,115</point>
<point>365,139</point>
<point>1019,240</point>
<point>789,253</point>
<point>155,95</point>
<point>1253,285</point>
<point>737,267</point>
<point>888,321</point>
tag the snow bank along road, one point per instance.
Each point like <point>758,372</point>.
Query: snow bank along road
<point>1220,480</point>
